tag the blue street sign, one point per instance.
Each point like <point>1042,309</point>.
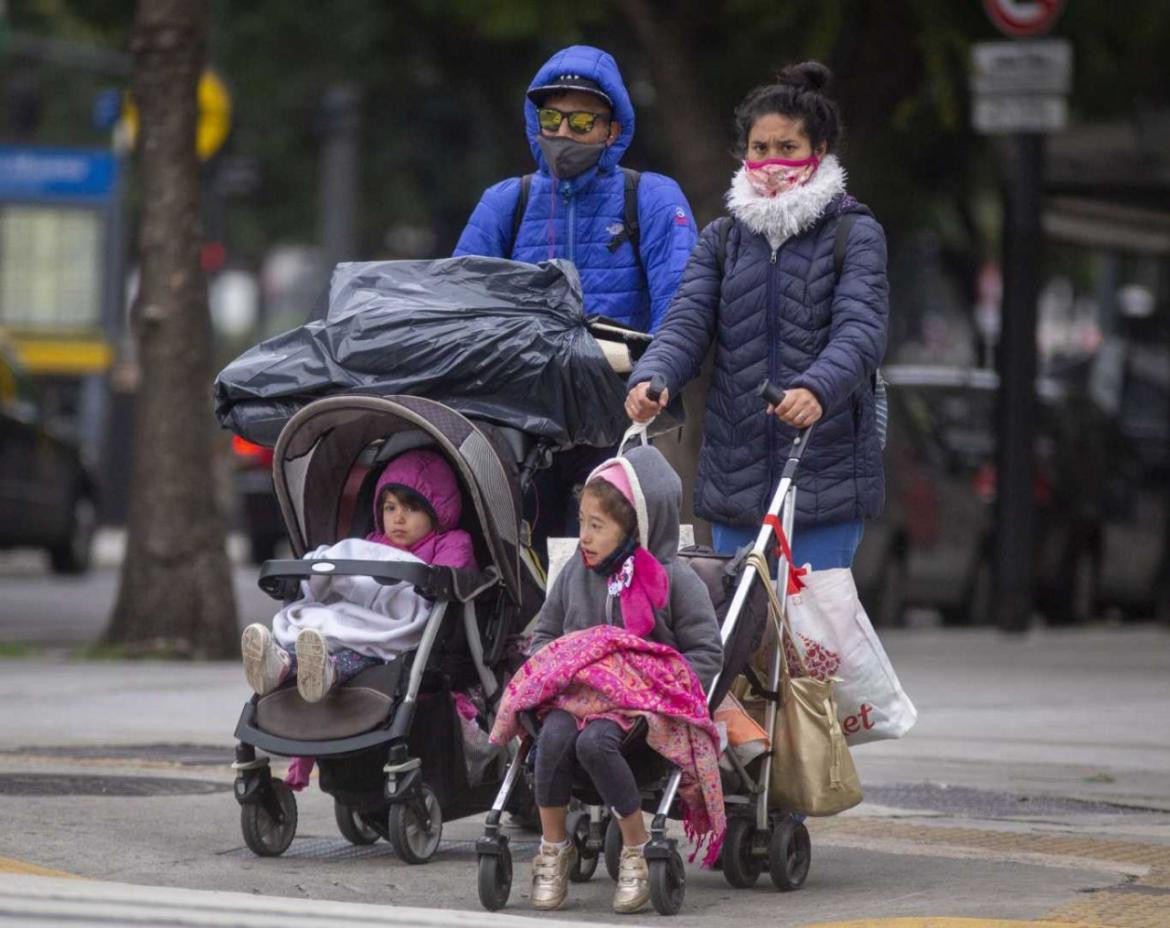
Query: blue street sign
<point>60,174</point>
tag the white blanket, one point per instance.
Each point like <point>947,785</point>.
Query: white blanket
<point>356,612</point>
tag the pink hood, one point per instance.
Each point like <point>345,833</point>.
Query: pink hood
<point>431,477</point>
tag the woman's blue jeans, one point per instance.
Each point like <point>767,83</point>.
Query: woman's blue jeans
<point>822,546</point>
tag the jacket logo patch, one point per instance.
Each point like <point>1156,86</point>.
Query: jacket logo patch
<point>680,217</point>
<point>615,228</point>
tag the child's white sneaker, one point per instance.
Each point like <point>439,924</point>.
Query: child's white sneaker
<point>265,662</point>
<point>550,874</point>
<point>633,882</point>
<point>316,672</point>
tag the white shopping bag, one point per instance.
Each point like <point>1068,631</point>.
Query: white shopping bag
<point>837,640</point>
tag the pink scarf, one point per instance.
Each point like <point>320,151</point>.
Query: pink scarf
<point>607,672</point>
<point>641,583</point>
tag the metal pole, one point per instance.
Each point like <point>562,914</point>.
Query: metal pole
<point>340,123</point>
<point>1016,413</point>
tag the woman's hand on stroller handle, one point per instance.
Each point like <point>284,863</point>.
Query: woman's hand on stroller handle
<point>797,407</point>
<point>646,399</point>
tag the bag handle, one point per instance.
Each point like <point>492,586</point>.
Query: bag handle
<point>780,621</point>
<point>636,430</point>
<point>779,617</point>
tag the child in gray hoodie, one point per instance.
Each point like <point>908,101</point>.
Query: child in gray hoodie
<point>628,574</point>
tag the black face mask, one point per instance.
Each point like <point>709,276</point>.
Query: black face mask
<point>568,157</point>
<point>616,557</point>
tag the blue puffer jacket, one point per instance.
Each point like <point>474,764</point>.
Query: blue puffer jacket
<point>779,312</point>
<point>579,217</point>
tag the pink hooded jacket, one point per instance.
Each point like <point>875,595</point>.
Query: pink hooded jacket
<point>431,477</point>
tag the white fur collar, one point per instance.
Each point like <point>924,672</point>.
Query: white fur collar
<point>790,213</point>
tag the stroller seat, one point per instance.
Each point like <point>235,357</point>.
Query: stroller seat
<point>360,704</point>
<point>647,765</point>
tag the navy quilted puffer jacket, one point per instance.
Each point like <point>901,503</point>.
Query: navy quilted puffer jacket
<point>781,313</point>
<point>578,218</point>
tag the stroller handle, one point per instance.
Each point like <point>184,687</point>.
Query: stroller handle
<point>657,387</point>
<point>770,393</point>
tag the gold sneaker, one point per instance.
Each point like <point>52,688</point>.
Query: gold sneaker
<point>550,875</point>
<point>633,882</point>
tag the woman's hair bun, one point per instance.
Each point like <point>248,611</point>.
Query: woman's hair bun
<point>809,75</point>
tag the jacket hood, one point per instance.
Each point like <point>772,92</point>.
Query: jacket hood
<point>596,65</point>
<point>657,493</point>
<point>431,477</point>
<point>781,217</point>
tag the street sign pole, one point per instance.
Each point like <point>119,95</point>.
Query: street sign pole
<point>1020,90</point>
<point>1016,412</point>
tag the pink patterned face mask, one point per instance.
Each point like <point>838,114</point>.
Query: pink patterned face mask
<point>776,175</point>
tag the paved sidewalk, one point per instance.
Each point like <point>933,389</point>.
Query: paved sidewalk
<point>1036,785</point>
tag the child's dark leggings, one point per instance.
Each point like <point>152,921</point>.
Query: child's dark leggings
<point>349,663</point>
<point>597,749</point>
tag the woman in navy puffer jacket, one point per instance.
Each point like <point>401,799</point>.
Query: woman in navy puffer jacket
<point>770,299</point>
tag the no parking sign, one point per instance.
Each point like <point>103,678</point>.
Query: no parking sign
<point>1023,18</point>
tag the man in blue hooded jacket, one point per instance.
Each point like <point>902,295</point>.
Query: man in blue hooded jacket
<point>580,122</point>
<point>628,234</point>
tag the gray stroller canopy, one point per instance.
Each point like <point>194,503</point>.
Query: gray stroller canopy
<point>319,446</point>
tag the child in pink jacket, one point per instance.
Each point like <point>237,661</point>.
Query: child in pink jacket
<point>417,506</point>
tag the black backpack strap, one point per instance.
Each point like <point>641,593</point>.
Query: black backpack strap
<point>877,384</point>
<point>725,223</point>
<point>633,226</point>
<point>841,242</point>
<point>518,212</point>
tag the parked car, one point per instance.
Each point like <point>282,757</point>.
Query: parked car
<point>935,544</point>
<point>47,495</point>
<point>259,512</point>
<point>1130,382</point>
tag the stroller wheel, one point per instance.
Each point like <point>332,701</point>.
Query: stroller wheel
<point>741,867</point>
<point>352,826</point>
<point>577,826</point>
<point>495,879</point>
<point>416,826</point>
<point>668,883</point>
<point>613,848</point>
<point>789,855</point>
<point>270,822</point>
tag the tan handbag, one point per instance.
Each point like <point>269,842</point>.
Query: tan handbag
<point>812,770</point>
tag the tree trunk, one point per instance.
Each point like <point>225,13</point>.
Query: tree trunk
<point>697,143</point>
<point>176,595</point>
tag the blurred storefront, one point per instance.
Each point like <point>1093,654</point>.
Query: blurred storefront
<point>61,273</point>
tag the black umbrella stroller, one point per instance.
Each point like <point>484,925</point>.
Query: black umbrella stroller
<point>491,363</point>
<point>759,836</point>
<point>388,743</point>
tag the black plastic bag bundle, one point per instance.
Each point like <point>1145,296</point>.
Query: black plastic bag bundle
<point>497,340</point>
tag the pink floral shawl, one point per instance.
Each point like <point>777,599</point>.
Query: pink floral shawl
<point>607,672</point>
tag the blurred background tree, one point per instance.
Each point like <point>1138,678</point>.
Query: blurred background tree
<point>441,86</point>
<point>175,594</point>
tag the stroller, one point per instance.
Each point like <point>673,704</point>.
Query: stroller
<point>758,837</point>
<point>388,742</point>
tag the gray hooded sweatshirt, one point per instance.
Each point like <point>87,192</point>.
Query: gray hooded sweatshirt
<point>579,597</point>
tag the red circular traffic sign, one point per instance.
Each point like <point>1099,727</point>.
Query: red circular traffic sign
<point>1022,18</point>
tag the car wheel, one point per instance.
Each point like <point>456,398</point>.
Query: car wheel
<point>1162,599</point>
<point>73,554</point>
<point>889,601</point>
<point>1083,598</point>
<point>980,600</point>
